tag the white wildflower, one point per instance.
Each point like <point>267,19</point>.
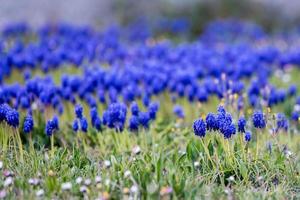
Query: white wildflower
<point>98,179</point>
<point>79,180</point>
<point>40,193</point>
<point>134,189</point>
<point>127,174</point>
<point>136,150</point>
<point>8,181</point>
<point>87,182</point>
<point>66,186</point>
<point>107,163</point>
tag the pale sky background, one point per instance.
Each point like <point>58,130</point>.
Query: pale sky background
<point>37,12</point>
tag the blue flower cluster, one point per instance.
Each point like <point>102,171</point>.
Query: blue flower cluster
<point>120,72</point>
<point>221,122</point>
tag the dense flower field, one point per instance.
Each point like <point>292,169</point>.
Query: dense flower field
<point>143,112</point>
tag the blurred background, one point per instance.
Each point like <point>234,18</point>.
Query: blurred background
<point>269,13</point>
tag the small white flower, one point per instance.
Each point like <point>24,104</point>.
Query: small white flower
<point>1,164</point>
<point>8,181</point>
<point>40,193</point>
<point>34,106</point>
<point>288,153</point>
<point>83,189</point>
<point>66,186</point>
<point>107,182</point>
<point>87,182</point>
<point>260,178</point>
<point>297,107</point>
<point>79,180</point>
<point>196,164</point>
<point>136,150</point>
<point>33,181</point>
<point>127,174</point>
<point>227,191</point>
<point>98,179</point>
<point>286,78</point>
<point>134,189</point>
<point>107,163</point>
<point>231,178</point>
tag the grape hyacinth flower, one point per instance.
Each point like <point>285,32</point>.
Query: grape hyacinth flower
<point>248,136</point>
<point>78,111</point>
<point>84,124</point>
<point>12,118</point>
<point>242,124</point>
<point>134,108</point>
<point>28,124</point>
<point>144,118</point>
<point>4,108</point>
<point>178,111</point>
<point>199,127</point>
<point>211,122</point>
<point>281,122</point>
<point>52,126</point>
<point>133,123</point>
<point>75,125</point>
<point>152,109</point>
<point>258,119</point>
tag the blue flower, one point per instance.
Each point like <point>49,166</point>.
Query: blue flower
<point>292,90</point>
<point>229,130</point>
<point>4,108</point>
<point>78,111</point>
<point>144,119</point>
<point>248,136</point>
<point>178,111</point>
<point>242,124</point>
<point>28,124</point>
<point>152,109</point>
<point>258,119</point>
<point>12,118</point>
<point>115,116</point>
<point>281,122</point>
<point>75,125</point>
<point>52,126</point>
<point>211,122</point>
<point>97,124</point>
<point>134,108</point>
<point>199,127</point>
<point>133,123</point>
<point>83,124</point>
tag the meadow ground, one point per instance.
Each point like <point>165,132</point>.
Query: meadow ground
<point>166,161</point>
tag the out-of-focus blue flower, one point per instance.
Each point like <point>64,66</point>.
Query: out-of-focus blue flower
<point>258,119</point>
<point>78,111</point>
<point>83,124</point>
<point>242,124</point>
<point>144,119</point>
<point>152,109</point>
<point>52,126</point>
<point>133,123</point>
<point>199,127</point>
<point>75,125</point>
<point>28,124</point>
<point>281,122</point>
<point>292,90</point>
<point>178,111</point>
<point>248,136</point>
<point>134,108</point>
